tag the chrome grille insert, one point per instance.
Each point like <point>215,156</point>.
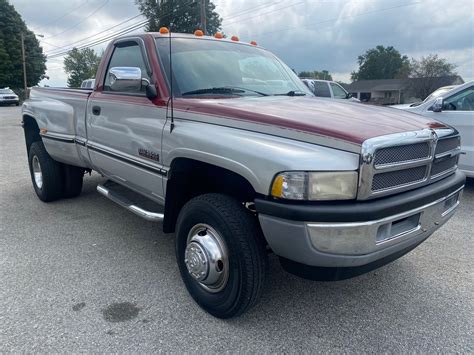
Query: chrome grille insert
<point>443,166</point>
<point>397,154</point>
<point>447,144</point>
<point>400,162</point>
<point>392,179</point>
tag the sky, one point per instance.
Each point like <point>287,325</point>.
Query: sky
<point>305,34</point>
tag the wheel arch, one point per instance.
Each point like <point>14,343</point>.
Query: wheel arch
<point>188,178</point>
<point>31,130</point>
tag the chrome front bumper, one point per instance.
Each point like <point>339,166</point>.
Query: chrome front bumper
<point>339,244</point>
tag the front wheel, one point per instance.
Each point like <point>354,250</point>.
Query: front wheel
<point>221,254</point>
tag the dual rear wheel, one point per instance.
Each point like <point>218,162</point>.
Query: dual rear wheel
<point>51,179</point>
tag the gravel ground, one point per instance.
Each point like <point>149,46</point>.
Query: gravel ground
<point>84,275</point>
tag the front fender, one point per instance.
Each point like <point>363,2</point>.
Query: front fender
<point>255,156</point>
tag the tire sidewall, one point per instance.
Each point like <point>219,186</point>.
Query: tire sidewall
<point>41,192</point>
<point>51,171</point>
<point>223,302</point>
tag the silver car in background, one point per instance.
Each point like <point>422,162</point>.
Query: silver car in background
<point>329,89</point>
<point>8,97</point>
<point>455,107</point>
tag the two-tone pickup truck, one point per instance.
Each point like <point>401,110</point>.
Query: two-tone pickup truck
<point>222,143</point>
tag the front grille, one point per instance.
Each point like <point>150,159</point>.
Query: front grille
<point>443,165</point>
<point>445,145</point>
<point>393,179</point>
<point>409,152</point>
<point>9,97</point>
<point>388,166</point>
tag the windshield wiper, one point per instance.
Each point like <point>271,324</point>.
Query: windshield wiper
<point>250,90</point>
<point>221,90</point>
<point>224,90</point>
<point>292,93</point>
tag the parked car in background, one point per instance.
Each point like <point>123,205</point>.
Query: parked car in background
<point>88,84</point>
<point>330,89</point>
<point>453,105</point>
<point>433,95</point>
<point>8,97</point>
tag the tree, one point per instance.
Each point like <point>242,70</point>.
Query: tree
<point>80,64</point>
<point>381,63</point>
<point>429,73</point>
<point>11,65</point>
<point>322,75</point>
<point>184,15</point>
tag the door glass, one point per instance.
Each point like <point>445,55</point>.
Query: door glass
<point>129,55</point>
<point>462,101</point>
<point>339,92</point>
<point>321,89</point>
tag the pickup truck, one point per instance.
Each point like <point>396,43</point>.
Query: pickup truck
<point>220,142</point>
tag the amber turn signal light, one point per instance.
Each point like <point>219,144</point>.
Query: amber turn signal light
<point>234,38</point>
<point>198,33</point>
<point>164,30</point>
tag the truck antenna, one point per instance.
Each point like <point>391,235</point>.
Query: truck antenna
<point>171,84</point>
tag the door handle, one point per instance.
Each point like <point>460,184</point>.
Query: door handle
<point>96,110</point>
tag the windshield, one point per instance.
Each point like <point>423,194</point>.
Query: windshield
<point>6,91</point>
<point>439,92</point>
<point>203,66</point>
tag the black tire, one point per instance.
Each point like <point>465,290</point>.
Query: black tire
<point>52,180</point>
<point>17,104</point>
<point>245,244</point>
<point>72,184</point>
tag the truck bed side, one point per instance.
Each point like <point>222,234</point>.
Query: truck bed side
<point>60,114</point>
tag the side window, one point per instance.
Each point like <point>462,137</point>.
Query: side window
<point>126,55</point>
<point>462,101</point>
<point>338,92</point>
<point>321,89</point>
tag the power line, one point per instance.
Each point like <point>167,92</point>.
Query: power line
<point>78,23</point>
<point>63,16</point>
<point>254,8</point>
<point>95,34</point>
<point>266,13</point>
<point>343,17</point>
<point>102,40</point>
<point>110,36</point>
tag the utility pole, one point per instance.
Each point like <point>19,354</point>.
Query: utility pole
<point>203,16</point>
<point>24,64</point>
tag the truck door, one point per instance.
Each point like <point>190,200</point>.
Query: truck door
<point>124,127</point>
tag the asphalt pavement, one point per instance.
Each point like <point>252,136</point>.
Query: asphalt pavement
<point>84,275</point>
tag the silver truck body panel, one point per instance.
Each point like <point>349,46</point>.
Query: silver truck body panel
<point>117,136</point>
<point>255,156</point>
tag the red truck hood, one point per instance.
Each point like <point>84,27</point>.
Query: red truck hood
<point>352,122</point>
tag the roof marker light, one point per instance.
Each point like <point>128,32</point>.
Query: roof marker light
<point>234,38</point>
<point>164,30</point>
<point>219,35</point>
<point>198,33</point>
<point>253,43</point>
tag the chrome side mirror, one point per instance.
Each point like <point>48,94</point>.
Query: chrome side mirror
<point>125,79</point>
<point>438,105</point>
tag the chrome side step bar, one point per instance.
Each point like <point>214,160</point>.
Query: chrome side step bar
<point>116,197</point>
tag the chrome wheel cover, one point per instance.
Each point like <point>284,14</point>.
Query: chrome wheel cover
<point>206,258</point>
<point>37,174</point>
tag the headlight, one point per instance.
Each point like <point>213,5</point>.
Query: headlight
<point>328,185</point>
